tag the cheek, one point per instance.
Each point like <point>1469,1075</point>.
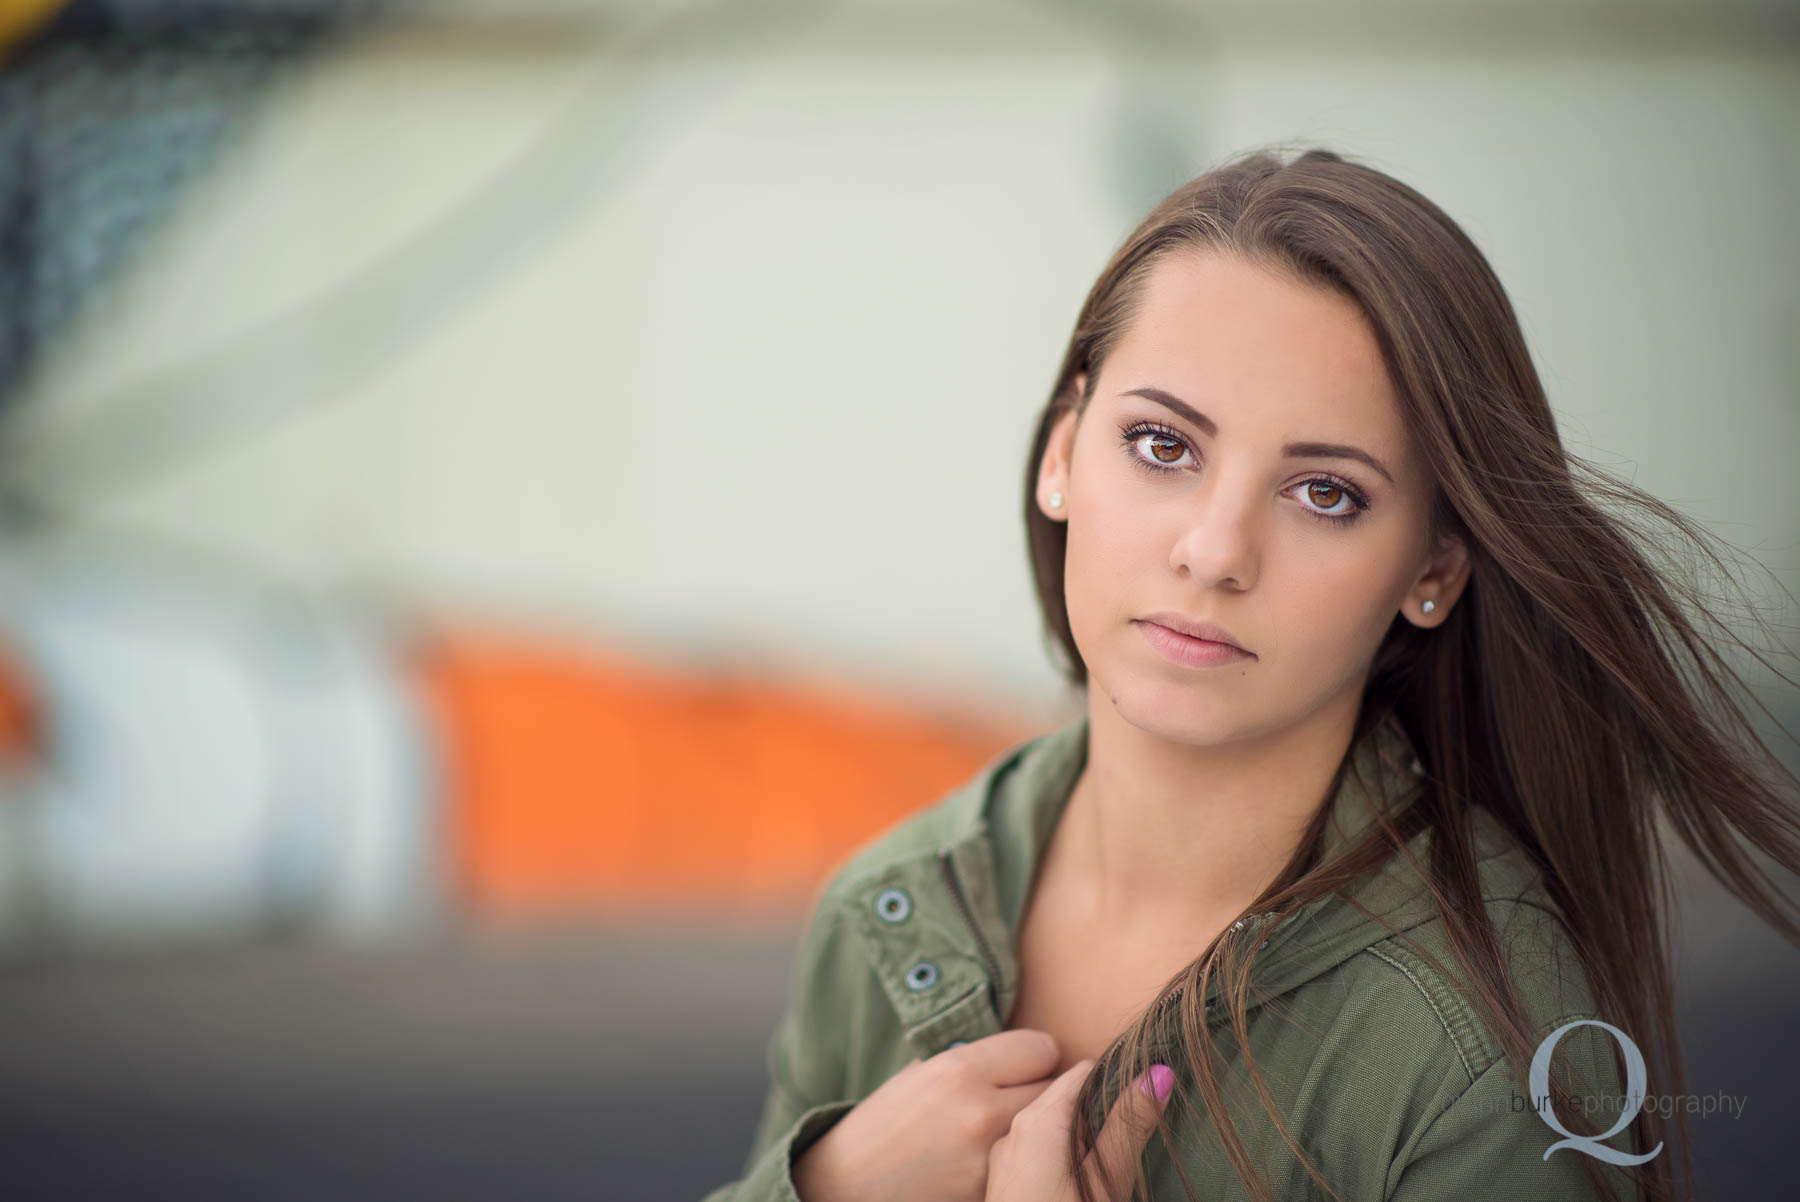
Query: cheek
<point>1084,573</point>
<point>1338,595</point>
<point>1106,553</point>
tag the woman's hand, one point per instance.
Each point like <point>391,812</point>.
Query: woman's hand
<point>924,1135</point>
<point>1030,1163</point>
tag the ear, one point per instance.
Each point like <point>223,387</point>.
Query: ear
<point>1441,583</point>
<point>1053,469</point>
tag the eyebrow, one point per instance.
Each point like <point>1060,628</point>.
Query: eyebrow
<point>1293,450</point>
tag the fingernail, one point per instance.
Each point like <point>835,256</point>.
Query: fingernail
<point>1157,1082</point>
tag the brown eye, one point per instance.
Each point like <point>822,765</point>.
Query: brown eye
<point>1324,496</point>
<point>1167,448</point>
<point>1331,495</point>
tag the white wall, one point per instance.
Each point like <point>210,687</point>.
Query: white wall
<point>738,349</point>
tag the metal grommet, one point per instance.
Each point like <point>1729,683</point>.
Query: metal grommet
<point>922,976</point>
<point>893,905</point>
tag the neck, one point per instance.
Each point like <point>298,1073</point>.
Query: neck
<point>1164,837</point>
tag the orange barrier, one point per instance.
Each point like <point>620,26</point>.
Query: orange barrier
<point>572,779</point>
<point>576,779</point>
<point>19,734</point>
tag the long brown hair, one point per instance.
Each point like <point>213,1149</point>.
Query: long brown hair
<point>1579,690</point>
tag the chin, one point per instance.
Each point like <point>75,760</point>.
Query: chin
<point>1180,712</point>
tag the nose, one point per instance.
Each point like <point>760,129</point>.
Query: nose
<point>1217,542</point>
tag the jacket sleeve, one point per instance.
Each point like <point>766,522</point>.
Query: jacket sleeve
<point>807,1062</point>
<point>1491,1142</point>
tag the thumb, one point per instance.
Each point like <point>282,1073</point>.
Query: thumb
<point>1121,1141</point>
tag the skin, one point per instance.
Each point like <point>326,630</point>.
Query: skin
<point>1030,1162</point>
<point>1200,781</point>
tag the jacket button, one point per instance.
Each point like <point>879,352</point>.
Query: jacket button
<point>922,976</point>
<point>893,905</point>
<point>957,1043</point>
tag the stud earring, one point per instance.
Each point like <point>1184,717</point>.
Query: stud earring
<point>1056,500</point>
<point>1427,606</point>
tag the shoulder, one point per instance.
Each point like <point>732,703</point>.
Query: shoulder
<point>1536,947</point>
<point>843,1030</point>
<point>1426,1068</point>
<point>1395,1084</point>
<point>922,833</point>
<point>1417,970</point>
<point>1412,990</point>
<point>958,816</point>
<point>1471,1116</point>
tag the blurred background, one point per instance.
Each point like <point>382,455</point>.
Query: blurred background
<point>497,497</point>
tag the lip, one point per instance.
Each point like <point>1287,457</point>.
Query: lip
<point>1190,650</point>
<point>1209,631</point>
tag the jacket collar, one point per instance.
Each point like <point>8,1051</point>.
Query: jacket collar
<point>968,888</point>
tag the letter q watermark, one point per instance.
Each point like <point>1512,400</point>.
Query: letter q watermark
<point>1635,1076</point>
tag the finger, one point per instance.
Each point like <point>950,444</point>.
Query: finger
<point>1057,1103</point>
<point>1015,1098</point>
<point>1013,1057</point>
<point>1127,1128</point>
<point>1069,1083</point>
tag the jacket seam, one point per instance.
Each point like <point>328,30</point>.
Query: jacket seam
<point>1393,1181</point>
<point>1468,1069</point>
<point>1462,1009</point>
<point>1499,1062</point>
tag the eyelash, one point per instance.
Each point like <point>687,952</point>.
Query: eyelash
<point>1133,432</point>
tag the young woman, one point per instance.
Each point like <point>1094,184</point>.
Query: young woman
<point>1355,863</point>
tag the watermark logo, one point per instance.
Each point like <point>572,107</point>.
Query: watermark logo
<point>1635,1077</point>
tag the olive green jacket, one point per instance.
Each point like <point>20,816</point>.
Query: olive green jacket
<point>1382,1070</point>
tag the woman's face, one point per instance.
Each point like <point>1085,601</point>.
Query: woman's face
<point>1243,462</point>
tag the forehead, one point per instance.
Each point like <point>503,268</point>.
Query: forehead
<point>1243,344</point>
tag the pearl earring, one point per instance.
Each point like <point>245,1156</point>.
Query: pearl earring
<point>1056,500</point>
<point>1427,606</point>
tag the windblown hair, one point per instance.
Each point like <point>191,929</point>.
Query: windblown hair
<point>1579,690</point>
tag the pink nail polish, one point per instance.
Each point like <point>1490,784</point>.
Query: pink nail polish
<point>1157,1082</point>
